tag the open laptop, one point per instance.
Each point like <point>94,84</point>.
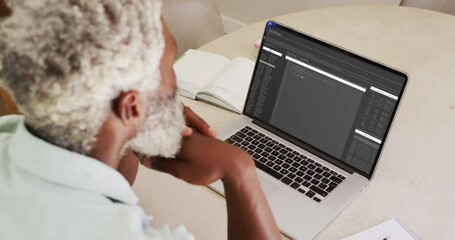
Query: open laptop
<point>315,121</point>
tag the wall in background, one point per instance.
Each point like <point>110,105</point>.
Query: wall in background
<point>237,13</point>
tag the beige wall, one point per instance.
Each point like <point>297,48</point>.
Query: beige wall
<point>236,13</point>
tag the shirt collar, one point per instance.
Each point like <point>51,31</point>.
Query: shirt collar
<point>68,168</point>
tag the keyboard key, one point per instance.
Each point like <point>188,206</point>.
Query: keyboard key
<point>301,190</point>
<point>256,156</point>
<point>333,172</point>
<point>332,186</point>
<point>325,168</point>
<point>341,177</point>
<point>268,149</point>
<point>298,179</point>
<point>335,179</point>
<point>317,199</point>
<point>277,168</point>
<point>244,130</point>
<point>322,186</point>
<point>275,153</point>
<point>326,174</point>
<point>310,194</point>
<point>279,162</point>
<point>295,185</point>
<point>291,175</point>
<point>318,164</point>
<point>240,135</point>
<point>264,154</point>
<point>289,161</point>
<point>290,155</point>
<point>307,177</point>
<point>249,151</point>
<point>249,128</point>
<point>283,151</point>
<point>325,180</point>
<point>270,164</point>
<point>255,142</point>
<point>261,146</point>
<point>315,181</point>
<point>282,157</point>
<point>286,180</point>
<point>319,191</point>
<point>268,170</point>
<point>296,164</point>
<point>310,172</point>
<point>284,171</point>
<point>250,134</point>
<point>300,173</point>
<point>303,168</point>
<point>237,139</point>
<point>270,144</point>
<point>230,140</point>
<point>263,160</point>
<point>285,165</point>
<point>293,169</point>
<point>317,176</point>
<point>306,184</point>
<point>311,166</point>
<point>319,170</point>
<point>272,158</point>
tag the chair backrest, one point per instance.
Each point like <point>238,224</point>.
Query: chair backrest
<point>445,6</point>
<point>192,22</point>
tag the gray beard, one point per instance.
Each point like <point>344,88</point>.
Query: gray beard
<point>161,132</point>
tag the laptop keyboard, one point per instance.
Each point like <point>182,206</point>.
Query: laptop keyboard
<point>290,167</point>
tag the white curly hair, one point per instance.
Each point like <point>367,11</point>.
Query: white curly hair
<point>65,61</point>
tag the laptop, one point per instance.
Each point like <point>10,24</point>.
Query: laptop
<point>315,121</point>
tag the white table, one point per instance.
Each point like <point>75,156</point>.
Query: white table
<point>415,176</point>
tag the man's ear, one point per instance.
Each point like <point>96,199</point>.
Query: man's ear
<point>129,108</point>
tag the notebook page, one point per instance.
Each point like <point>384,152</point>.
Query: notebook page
<point>195,69</point>
<point>232,84</point>
<point>394,229</point>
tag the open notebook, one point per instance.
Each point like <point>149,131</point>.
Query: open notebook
<point>214,78</point>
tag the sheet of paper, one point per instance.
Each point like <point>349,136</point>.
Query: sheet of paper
<point>394,229</point>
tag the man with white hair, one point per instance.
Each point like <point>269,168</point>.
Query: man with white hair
<point>94,81</point>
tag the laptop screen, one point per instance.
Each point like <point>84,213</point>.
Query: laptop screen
<point>333,101</point>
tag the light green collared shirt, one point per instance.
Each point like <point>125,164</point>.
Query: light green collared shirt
<point>47,192</point>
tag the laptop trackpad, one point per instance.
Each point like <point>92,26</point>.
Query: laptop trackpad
<point>268,187</point>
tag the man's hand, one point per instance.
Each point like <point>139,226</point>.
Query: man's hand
<point>193,121</point>
<point>203,160</point>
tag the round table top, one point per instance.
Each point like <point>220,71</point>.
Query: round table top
<point>415,173</point>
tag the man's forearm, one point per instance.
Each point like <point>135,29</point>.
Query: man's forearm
<point>249,215</point>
